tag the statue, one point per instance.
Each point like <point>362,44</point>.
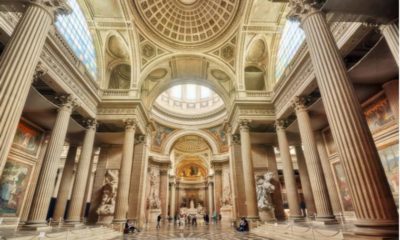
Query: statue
<point>226,192</point>
<point>264,190</point>
<point>109,193</point>
<point>154,199</point>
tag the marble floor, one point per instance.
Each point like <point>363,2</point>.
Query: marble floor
<point>216,232</point>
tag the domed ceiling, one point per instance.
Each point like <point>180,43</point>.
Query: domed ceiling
<point>188,22</point>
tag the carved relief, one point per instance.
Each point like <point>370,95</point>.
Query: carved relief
<point>226,189</point>
<point>264,189</point>
<point>109,194</point>
<point>154,196</point>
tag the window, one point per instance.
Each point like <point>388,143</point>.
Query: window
<point>74,29</point>
<point>291,40</point>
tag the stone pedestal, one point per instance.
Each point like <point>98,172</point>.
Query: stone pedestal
<point>226,214</point>
<point>152,215</point>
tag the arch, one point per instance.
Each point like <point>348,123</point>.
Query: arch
<point>169,142</point>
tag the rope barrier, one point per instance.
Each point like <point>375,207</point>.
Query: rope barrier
<point>311,228</point>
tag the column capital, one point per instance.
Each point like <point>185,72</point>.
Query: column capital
<point>90,123</point>
<point>52,7</point>
<point>129,123</point>
<point>236,138</point>
<point>68,101</point>
<point>280,124</point>
<point>299,103</point>
<point>40,71</point>
<point>140,138</point>
<point>300,9</point>
<point>244,125</point>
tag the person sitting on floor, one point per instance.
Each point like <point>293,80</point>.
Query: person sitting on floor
<point>129,228</point>
<point>243,225</point>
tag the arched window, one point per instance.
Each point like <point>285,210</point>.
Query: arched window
<point>74,29</point>
<point>291,40</point>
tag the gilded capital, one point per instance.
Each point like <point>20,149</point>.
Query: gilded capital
<point>299,9</point>
<point>68,102</point>
<point>299,103</point>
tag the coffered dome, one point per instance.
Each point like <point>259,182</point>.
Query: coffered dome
<point>188,22</point>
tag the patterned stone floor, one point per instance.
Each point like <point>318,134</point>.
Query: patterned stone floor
<point>216,232</point>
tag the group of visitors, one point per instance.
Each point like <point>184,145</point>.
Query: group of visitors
<point>243,225</point>
<point>130,227</point>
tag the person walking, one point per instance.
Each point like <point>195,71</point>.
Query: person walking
<point>158,221</point>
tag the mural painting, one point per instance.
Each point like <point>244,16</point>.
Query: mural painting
<point>13,184</point>
<point>27,139</point>
<point>390,160</point>
<point>378,114</point>
<point>343,187</point>
<point>219,134</point>
<point>159,136</point>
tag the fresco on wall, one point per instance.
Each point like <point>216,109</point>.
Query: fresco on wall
<point>378,114</point>
<point>191,171</point>
<point>343,187</point>
<point>390,160</point>
<point>13,184</point>
<point>159,136</point>
<point>219,134</point>
<point>27,139</point>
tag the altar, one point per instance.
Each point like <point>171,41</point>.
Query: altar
<point>193,212</point>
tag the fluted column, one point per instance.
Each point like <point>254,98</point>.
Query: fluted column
<point>210,198</point>
<point>277,194</point>
<point>391,90</point>
<point>82,174</point>
<point>65,185</point>
<point>313,164</point>
<point>305,181</point>
<point>288,172</point>
<point>45,184</point>
<point>232,169</point>
<point>121,207</point>
<point>329,179</point>
<point>173,199</point>
<point>17,66</point>
<point>217,188</point>
<point>372,198</point>
<point>248,171</point>
<point>164,183</point>
<point>391,33</point>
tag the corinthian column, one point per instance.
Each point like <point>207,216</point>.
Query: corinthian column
<point>329,179</point>
<point>65,185</point>
<point>81,175</point>
<point>121,207</point>
<point>372,198</point>
<point>248,172</point>
<point>305,181</point>
<point>313,164</point>
<point>288,172</point>
<point>391,33</point>
<point>164,178</point>
<point>277,194</point>
<point>17,66</point>
<point>45,184</point>
<point>173,199</point>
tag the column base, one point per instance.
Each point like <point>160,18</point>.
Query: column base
<point>330,220</point>
<point>296,219</point>
<point>381,229</point>
<point>73,224</point>
<point>119,221</point>
<point>353,236</point>
<point>40,227</point>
